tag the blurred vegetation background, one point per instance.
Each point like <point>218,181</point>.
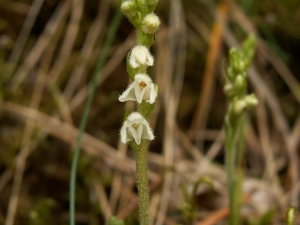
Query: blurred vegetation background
<point>49,50</point>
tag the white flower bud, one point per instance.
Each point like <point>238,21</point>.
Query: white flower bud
<point>239,106</point>
<point>250,101</point>
<point>240,81</point>
<point>230,74</point>
<point>142,88</point>
<point>150,23</point>
<point>229,89</point>
<point>140,56</point>
<point>128,8</point>
<point>136,128</point>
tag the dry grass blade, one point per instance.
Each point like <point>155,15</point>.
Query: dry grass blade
<point>204,164</point>
<point>295,135</point>
<point>38,49</point>
<point>106,71</point>
<point>27,134</point>
<point>118,175</point>
<point>93,35</point>
<point>270,171</point>
<point>16,7</point>
<point>72,29</point>
<point>68,134</point>
<point>24,33</point>
<point>207,86</point>
<point>117,181</point>
<point>171,102</point>
<point>68,42</point>
<point>5,177</point>
<point>62,105</point>
<point>216,217</point>
<point>103,200</point>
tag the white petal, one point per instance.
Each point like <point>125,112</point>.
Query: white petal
<point>146,94</point>
<point>140,56</point>
<point>133,62</point>
<point>143,77</point>
<point>239,106</point>
<point>128,94</point>
<point>123,134</point>
<point>147,132</point>
<point>138,93</point>
<point>150,60</point>
<point>133,133</point>
<point>153,94</point>
<point>134,116</point>
<point>139,133</point>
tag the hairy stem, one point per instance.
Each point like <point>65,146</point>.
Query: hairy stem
<point>142,180</point>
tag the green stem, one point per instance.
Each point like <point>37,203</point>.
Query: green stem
<point>142,180</point>
<point>290,216</point>
<point>142,149</point>
<point>139,36</point>
<point>233,153</point>
<point>230,166</point>
<point>107,44</point>
<point>241,141</point>
<point>143,38</point>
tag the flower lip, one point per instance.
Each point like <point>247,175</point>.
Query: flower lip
<point>142,84</point>
<point>142,88</point>
<point>140,56</point>
<point>136,128</point>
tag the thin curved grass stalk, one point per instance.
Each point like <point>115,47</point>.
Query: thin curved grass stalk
<point>110,37</point>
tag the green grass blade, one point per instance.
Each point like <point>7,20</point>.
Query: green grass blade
<point>110,37</point>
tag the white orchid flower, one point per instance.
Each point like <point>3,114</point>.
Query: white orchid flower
<point>140,56</point>
<point>142,88</point>
<point>136,128</point>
